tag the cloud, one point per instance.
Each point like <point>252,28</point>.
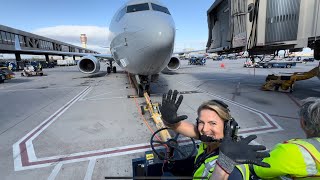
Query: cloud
<point>191,44</point>
<point>97,36</point>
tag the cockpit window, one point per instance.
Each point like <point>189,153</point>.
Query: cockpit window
<point>122,12</point>
<point>138,7</point>
<point>157,7</point>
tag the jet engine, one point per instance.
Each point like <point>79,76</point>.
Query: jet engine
<point>89,65</point>
<point>173,65</point>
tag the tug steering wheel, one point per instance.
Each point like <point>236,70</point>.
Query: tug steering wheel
<point>173,145</point>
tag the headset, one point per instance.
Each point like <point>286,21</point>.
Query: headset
<point>228,122</point>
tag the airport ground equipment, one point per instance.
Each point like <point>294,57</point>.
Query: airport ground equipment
<point>270,63</point>
<point>2,76</point>
<point>286,82</point>
<point>277,64</point>
<point>197,61</point>
<point>8,73</point>
<point>154,111</point>
<point>29,70</point>
<point>169,156</point>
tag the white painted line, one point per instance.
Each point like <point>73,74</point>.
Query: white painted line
<point>85,94</point>
<point>16,150</point>
<point>40,89</point>
<point>31,153</point>
<point>213,79</point>
<point>255,111</point>
<point>90,169</point>
<point>94,151</point>
<point>16,147</point>
<point>93,97</point>
<point>99,99</point>
<point>59,114</point>
<point>55,172</point>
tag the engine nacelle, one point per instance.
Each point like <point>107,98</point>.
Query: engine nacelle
<point>173,65</point>
<point>89,65</point>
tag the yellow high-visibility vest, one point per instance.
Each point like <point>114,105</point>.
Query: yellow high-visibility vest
<point>206,169</point>
<point>293,159</point>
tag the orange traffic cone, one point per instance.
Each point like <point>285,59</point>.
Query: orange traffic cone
<point>222,65</point>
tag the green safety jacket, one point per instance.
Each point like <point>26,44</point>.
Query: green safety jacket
<point>206,169</point>
<point>293,159</point>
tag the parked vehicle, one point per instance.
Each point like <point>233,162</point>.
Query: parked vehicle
<point>308,60</point>
<point>2,76</point>
<point>277,64</point>
<point>8,73</point>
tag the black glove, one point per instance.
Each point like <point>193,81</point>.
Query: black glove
<point>170,107</point>
<point>239,152</point>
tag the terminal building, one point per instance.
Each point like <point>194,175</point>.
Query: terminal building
<point>35,45</point>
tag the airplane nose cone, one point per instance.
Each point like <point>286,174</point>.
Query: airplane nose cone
<point>163,34</point>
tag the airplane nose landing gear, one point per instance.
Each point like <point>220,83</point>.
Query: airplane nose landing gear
<point>142,84</point>
<point>111,67</point>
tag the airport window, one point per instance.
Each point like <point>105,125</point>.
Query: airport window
<point>22,41</point>
<point>160,8</point>
<point>1,39</point>
<point>4,38</point>
<point>121,13</point>
<point>9,38</point>
<point>138,7</point>
<point>13,38</point>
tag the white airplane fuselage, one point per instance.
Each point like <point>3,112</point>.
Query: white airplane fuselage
<point>142,42</point>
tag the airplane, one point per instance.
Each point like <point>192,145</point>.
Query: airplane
<point>142,34</point>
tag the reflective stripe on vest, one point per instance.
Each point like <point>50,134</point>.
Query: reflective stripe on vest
<point>310,154</point>
<point>315,143</point>
<point>242,168</point>
<point>208,166</point>
<point>311,165</point>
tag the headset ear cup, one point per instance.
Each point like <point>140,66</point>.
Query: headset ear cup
<point>234,127</point>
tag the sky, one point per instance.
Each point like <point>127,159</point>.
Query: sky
<point>65,20</point>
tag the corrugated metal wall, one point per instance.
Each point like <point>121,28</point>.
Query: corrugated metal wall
<point>282,20</point>
<point>221,28</point>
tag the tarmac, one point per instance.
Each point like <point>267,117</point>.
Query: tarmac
<point>69,125</point>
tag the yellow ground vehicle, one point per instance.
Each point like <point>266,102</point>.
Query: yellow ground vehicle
<point>286,82</point>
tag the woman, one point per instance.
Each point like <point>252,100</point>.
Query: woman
<point>213,117</point>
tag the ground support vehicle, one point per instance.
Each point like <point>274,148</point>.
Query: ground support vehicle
<point>8,73</point>
<point>174,159</point>
<point>2,76</point>
<point>197,61</point>
<point>277,64</point>
<point>286,82</point>
<point>31,71</point>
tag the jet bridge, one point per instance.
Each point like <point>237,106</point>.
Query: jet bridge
<point>263,26</point>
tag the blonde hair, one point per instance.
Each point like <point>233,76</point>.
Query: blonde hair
<point>223,112</point>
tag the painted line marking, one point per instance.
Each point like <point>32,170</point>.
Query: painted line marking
<point>214,79</point>
<point>20,153</point>
<point>40,89</point>
<point>293,100</point>
<point>272,126</point>
<point>22,160</point>
<point>288,117</point>
<point>55,171</point>
<point>90,169</point>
